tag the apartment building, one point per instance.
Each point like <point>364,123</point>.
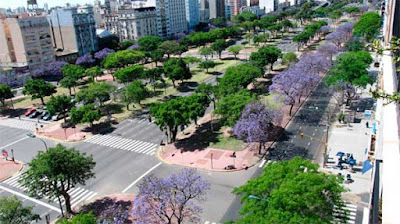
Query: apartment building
<point>217,8</point>
<point>134,23</point>
<point>73,29</point>
<point>171,17</point>
<point>192,13</point>
<point>204,11</point>
<point>111,23</point>
<point>385,192</point>
<point>268,5</point>
<point>25,42</point>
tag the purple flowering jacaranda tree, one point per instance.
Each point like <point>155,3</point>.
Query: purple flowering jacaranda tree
<point>337,37</point>
<point>114,214</point>
<point>256,123</point>
<point>328,50</point>
<point>86,61</point>
<point>287,85</point>
<point>103,53</point>
<point>53,69</point>
<point>346,28</point>
<point>325,29</point>
<point>171,199</point>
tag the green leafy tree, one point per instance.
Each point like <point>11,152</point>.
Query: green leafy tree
<point>264,56</point>
<point>245,16</point>
<point>149,43</point>
<point>127,43</point>
<point>170,47</point>
<point>156,55</point>
<point>12,211</point>
<point>336,14</point>
<point>153,75</point>
<point>121,59</point>
<point>352,10</point>
<point>85,114</point>
<point>74,71</point>
<point>69,82</point>
<point>289,58</point>
<point>206,89</point>
<point>5,93</point>
<point>55,172</point>
<point>235,50</point>
<point>60,104</point>
<point>38,89</point>
<point>230,106</point>
<point>207,65</point>
<point>368,25</point>
<point>82,218</point>
<point>94,72</point>
<point>206,51</point>
<point>134,92</point>
<point>351,68</point>
<point>218,46</point>
<point>191,60</point>
<point>292,191</point>
<point>355,44</point>
<point>261,38</point>
<point>96,92</point>
<point>128,74</point>
<point>196,106</point>
<point>176,69</point>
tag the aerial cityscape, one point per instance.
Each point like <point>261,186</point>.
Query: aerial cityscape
<point>199,111</point>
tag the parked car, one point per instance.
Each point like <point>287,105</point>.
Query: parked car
<point>47,117</point>
<point>34,114</point>
<point>30,111</point>
<point>57,117</point>
<point>42,114</point>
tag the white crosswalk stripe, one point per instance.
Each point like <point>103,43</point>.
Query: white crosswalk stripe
<point>20,124</point>
<point>124,144</point>
<point>209,222</point>
<point>351,213</point>
<point>78,194</point>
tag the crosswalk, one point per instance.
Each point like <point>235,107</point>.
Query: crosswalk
<point>21,124</point>
<point>209,222</point>
<point>352,213</point>
<point>78,194</point>
<point>124,144</point>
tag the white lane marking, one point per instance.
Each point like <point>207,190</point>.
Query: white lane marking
<point>315,129</point>
<point>31,199</point>
<point>138,179</point>
<point>300,128</point>
<point>86,197</point>
<point>12,143</point>
<point>313,134</point>
<point>291,140</point>
<point>262,163</point>
<point>308,143</point>
<point>295,136</point>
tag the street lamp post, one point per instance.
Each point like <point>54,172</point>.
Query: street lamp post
<point>34,136</point>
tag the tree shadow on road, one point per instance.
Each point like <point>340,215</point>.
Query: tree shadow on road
<point>99,206</point>
<point>286,151</point>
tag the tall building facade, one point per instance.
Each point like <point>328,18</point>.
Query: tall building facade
<point>235,6</point>
<point>111,23</point>
<point>267,5</point>
<point>192,13</point>
<point>25,42</point>
<point>73,29</point>
<point>204,11</point>
<point>217,8</point>
<point>134,23</point>
<point>171,17</point>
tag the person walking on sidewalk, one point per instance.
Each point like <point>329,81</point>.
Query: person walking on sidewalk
<point>367,124</point>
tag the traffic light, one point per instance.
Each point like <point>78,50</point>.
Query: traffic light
<point>302,135</point>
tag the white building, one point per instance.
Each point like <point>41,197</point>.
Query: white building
<point>111,23</point>
<point>192,13</point>
<point>267,5</point>
<point>171,17</point>
<point>134,23</point>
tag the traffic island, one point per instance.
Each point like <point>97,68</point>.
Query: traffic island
<point>8,168</point>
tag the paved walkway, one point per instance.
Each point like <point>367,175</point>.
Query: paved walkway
<point>55,132</point>
<point>8,168</point>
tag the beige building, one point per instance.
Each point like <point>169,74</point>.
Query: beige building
<point>134,23</point>
<point>25,42</point>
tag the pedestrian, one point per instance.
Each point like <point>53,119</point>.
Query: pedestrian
<point>367,124</point>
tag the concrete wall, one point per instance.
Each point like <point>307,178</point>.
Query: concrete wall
<point>4,52</point>
<point>17,40</point>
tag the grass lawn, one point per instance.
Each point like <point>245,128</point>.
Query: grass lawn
<point>228,143</point>
<point>27,101</point>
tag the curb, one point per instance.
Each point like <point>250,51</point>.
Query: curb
<point>209,170</point>
<point>56,139</point>
<point>9,176</point>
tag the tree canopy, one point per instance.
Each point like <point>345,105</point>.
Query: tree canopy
<point>120,59</point>
<point>12,211</point>
<point>292,191</point>
<point>134,92</point>
<point>149,43</point>
<point>85,114</point>
<point>96,92</point>
<point>38,89</point>
<point>56,171</point>
<point>368,25</point>
<point>176,69</point>
<point>5,93</point>
<point>128,74</point>
<point>264,56</point>
<point>59,104</point>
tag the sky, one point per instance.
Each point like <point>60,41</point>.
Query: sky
<point>17,3</point>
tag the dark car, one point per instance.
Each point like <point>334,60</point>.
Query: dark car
<point>44,113</point>
<point>47,117</point>
<point>34,114</point>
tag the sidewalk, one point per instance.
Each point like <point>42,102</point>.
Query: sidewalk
<point>354,139</point>
<point>55,132</point>
<point>9,168</point>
